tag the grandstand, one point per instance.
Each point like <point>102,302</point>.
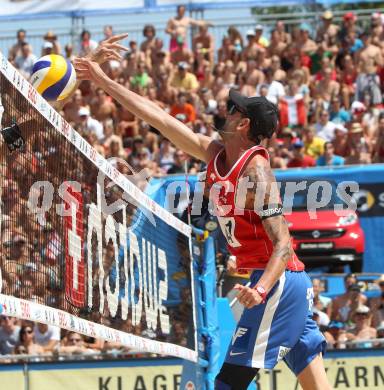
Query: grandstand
<point>113,266</point>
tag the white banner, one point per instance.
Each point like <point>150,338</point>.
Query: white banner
<point>32,311</point>
<point>28,7</point>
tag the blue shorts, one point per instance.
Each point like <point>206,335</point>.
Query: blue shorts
<point>280,329</point>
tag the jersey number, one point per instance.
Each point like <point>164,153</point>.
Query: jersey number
<point>228,228</point>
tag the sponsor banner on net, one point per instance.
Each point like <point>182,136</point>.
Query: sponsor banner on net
<point>347,373</point>
<point>35,312</point>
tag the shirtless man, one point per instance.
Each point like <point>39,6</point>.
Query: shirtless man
<point>204,41</point>
<point>327,88</point>
<point>178,26</point>
<point>71,109</point>
<point>254,75</point>
<point>327,27</point>
<point>276,46</point>
<point>103,108</point>
<point>181,53</point>
<point>306,44</point>
<point>370,58</point>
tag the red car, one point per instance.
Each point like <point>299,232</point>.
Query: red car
<point>331,239</point>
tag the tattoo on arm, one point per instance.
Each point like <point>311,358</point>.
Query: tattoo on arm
<point>278,233</point>
<point>265,191</point>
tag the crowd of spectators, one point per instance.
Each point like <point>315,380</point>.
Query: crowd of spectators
<point>350,320</point>
<point>328,84</point>
<point>20,337</point>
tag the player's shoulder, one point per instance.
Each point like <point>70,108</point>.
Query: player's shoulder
<point>211,147</point>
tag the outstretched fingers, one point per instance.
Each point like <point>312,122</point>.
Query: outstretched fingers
<point>116,38</point>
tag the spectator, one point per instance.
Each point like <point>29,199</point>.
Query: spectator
<point>344,306</point>
<point>102,107</point>
<point>74,345</point>
<point>204,43</point>
<point>327,28</point>
<point>293,110</point>
<point>335,335</point>
<point>27,343</point>
<point>377,304</point>
<point>25,61</point>
<point>108,32</point>
<point>260,40</point>
<point>149,44</point>
<point>276,161</point>
<point>300,159</point>
<point>179,163</point>
<point>378,155</point>
<point>88,124</point>
<point>47,336</point>
<point>321,318</point>
<point>329,158</point>
<point>320,301</point>
<point>325,129</point>
<point>15,50</point>
<point>314,146</point>
<point>338,114</point>
<point>51,37</point>
<point>181,54</point>
<point>178,25</point>
<point>9,334</point>
<point>68,50</point>
<point>358,152</point>
<point>305,44</point>
<point>183,79</point>
<point>182,110</point>
<point>362,329</point>
<point>87,45</point>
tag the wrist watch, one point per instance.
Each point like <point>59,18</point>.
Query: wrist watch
<point>261,291</point>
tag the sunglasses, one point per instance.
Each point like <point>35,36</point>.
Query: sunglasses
<point>75,340</point>
<point>232,108</point>
<point>27,332</point>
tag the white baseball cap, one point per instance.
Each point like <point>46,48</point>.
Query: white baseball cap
<point>84,111</point>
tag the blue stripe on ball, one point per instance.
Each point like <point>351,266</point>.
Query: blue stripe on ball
<point>40,65</point>
<point>54,91</point>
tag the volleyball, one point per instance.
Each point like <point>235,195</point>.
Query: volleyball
<point>54,77</point>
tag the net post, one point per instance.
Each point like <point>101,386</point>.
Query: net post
<point>202,374</point>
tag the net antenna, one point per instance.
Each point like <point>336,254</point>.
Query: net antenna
<point>67,262</point>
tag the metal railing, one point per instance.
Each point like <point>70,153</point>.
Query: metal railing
<point>219,29</point>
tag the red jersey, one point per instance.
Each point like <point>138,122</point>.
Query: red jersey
<point>243,229</point>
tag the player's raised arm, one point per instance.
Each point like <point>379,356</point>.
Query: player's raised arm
<point>197,145</point>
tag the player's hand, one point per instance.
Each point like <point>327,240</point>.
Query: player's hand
<point>247,296</point>
<point>108,50</point>
<point>88,70</point>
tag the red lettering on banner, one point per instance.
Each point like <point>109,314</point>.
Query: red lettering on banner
<point>32,94</point>
<point>64,126</point>
<point>25,309</point>
<point>92,329</point>
<point>74,253</point>
<point>62,320</point>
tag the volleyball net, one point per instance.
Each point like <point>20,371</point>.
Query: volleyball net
<point>82,247</point>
